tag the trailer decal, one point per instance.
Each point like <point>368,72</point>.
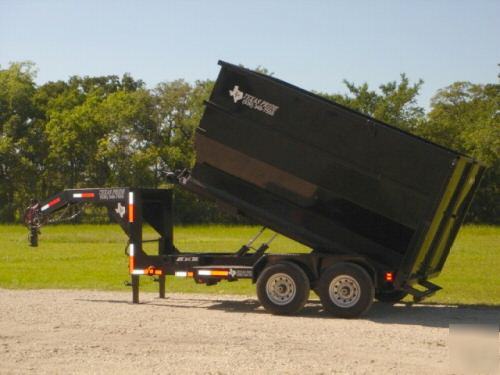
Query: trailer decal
<point>120,210</point>
<point>111,194</point>
<point>236,94</point>
<point>242,273</point>
<point>252,101</point>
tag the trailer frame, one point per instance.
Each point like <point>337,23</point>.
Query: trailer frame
<point>132,208</point>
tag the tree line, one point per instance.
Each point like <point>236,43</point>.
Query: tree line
<point>114,131</point>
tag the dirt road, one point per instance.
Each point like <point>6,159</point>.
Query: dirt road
<point>55,331</point>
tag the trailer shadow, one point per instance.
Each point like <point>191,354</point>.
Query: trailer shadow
<point>437,316</point>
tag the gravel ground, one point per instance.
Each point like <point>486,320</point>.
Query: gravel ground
<point>65,331</point>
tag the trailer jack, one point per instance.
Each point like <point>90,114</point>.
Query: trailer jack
<point>34,217</point>
<point>32,222</point>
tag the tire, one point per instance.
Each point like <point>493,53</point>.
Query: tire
<point>356,287</point>
<point>390,296</point>
<point>283,288</point>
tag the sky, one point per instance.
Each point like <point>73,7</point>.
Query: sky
<point>310,43</point>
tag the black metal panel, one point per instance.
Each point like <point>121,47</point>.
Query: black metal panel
<point>362,141</point>
<point>328,176</point>
<point>305,225</point>
<point>368,188</point>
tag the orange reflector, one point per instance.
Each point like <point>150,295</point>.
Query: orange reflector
<point>131,213</point>
<point>131,259</point>
<point>131,263</point>
<point>213,273</point>
<point>389,276</point>
<point>220,273</point>
<point>152,271</point>
<point>183,274</point>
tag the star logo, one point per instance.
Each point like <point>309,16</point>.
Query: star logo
<point>120,210</point>
<point>236,94</point>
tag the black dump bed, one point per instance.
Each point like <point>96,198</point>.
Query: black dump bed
<point>329,177</point>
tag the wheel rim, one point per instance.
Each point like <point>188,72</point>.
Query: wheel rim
<point>280,289</point>
<point>344,291</point>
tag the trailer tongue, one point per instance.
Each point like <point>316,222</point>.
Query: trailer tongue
<point>379,207</point>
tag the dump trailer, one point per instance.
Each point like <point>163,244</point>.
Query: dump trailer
<point>378,207</point>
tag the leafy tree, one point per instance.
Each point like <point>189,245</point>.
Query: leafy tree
<point>466,117</point>
<point>395,103</point>
<point>178,110</point>
<point>80,116</point>
<point>107,130</point>
<point>17,116</point>
<point>125,154</point>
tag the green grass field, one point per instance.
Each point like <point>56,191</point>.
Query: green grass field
<point>92,257</point>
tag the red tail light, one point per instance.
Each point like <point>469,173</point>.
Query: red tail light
<point>389,277</point>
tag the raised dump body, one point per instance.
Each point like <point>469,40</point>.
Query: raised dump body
<point>329,177</point>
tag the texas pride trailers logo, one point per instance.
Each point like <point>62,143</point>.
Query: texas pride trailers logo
<point>252,102</point>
